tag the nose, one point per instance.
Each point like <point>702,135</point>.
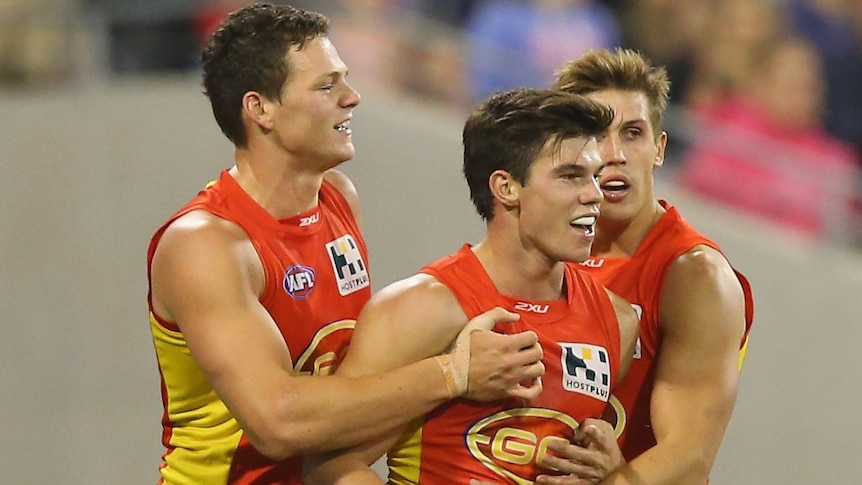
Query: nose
<point>593,195</point>
<point>611,149</point>
<point>351,97</point>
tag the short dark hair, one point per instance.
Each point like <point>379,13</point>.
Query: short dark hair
<point>509,130</point>
<point>248,52</point>
<point>623,69</point>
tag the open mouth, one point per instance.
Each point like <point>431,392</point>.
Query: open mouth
<point>614,189</point>
<point>586,224</point>
<point>344,128</point>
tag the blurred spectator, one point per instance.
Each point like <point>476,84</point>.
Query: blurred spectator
<point>729,47</point>
<point>667,32</point>
<point>829,25</point>
<point>36,45</point>
<point>763,148</point>
<point>521,43</point>
<point>370,40</point>
<point>451,13</point>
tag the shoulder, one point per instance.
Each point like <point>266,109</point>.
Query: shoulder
<point>199,250</point>
<point>701,286</point>
<point>701,262</point>
<point>422,296</point>
<point>201,229</point>
<point>343,184</point>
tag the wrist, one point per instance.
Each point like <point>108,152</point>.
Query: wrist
<point>456,378</point>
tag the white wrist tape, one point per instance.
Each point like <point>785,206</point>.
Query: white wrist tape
<point>456,364</point>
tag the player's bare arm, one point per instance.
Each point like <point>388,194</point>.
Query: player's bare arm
<point>207,278</point>
<point>703,320</point>
<point>629,331</point>
<point>411,320</point>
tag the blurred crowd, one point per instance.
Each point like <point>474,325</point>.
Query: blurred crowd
<point>766,94</point>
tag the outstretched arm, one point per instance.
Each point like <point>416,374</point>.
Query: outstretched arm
<point>703,321</point>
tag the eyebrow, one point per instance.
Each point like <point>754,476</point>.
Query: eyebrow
<point>570,167</point>
<point>630,123</point>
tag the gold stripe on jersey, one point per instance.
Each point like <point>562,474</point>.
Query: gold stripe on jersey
<point>204,435</point>
<point>323,364</point>
<point>742,352</point>
<point>404,458</point>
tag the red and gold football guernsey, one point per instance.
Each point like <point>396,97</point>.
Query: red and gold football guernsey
<point>317,281</point>
<point>639,279</point>
<point>500,442</point>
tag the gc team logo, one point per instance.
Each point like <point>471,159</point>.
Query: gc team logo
<point>298,281</point>
<point>513,442</point>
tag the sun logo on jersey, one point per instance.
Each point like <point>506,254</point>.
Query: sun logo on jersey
<point>298,281</point>
<point>326,349</point>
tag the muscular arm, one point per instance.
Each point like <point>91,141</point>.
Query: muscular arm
<point>404,323</point>
<point>703,319</point>
<point>205,277</point>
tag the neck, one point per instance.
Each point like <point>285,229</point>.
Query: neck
<point>519,272</point>
<point>622,237</point>
<point>283,188</point>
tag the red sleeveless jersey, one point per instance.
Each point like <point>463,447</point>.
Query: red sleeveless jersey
<point>500,442</point>
<point>639,280</point>
<point>317,281</point>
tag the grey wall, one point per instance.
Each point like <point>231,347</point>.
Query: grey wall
<point>87,175</point>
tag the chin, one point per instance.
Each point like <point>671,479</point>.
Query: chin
<point>578,257</point>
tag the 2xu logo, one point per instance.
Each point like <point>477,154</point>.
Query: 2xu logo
<point>512,442</point>
<point>531,307</point>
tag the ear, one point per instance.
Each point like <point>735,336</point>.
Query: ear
<point>504,188</point>
<point>661,145</point>
<point>256,108</point>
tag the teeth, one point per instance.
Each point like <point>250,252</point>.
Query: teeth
<point>584,221</point>
<point>343,126</point>
<point>614,183</point>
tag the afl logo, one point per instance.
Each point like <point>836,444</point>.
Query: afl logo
<point>513,442</point>
<point>299,281</point>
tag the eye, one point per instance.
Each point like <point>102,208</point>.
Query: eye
<point>632,133</point>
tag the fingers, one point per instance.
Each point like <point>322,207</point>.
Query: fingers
<point>597,457</point>
<point>563,480</point>
<point>528,393</point>
<point>599,433</point>
<point>489,319</point>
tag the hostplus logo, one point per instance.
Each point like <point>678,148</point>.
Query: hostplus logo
<point>586,370</point>
<point>351,274</point>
